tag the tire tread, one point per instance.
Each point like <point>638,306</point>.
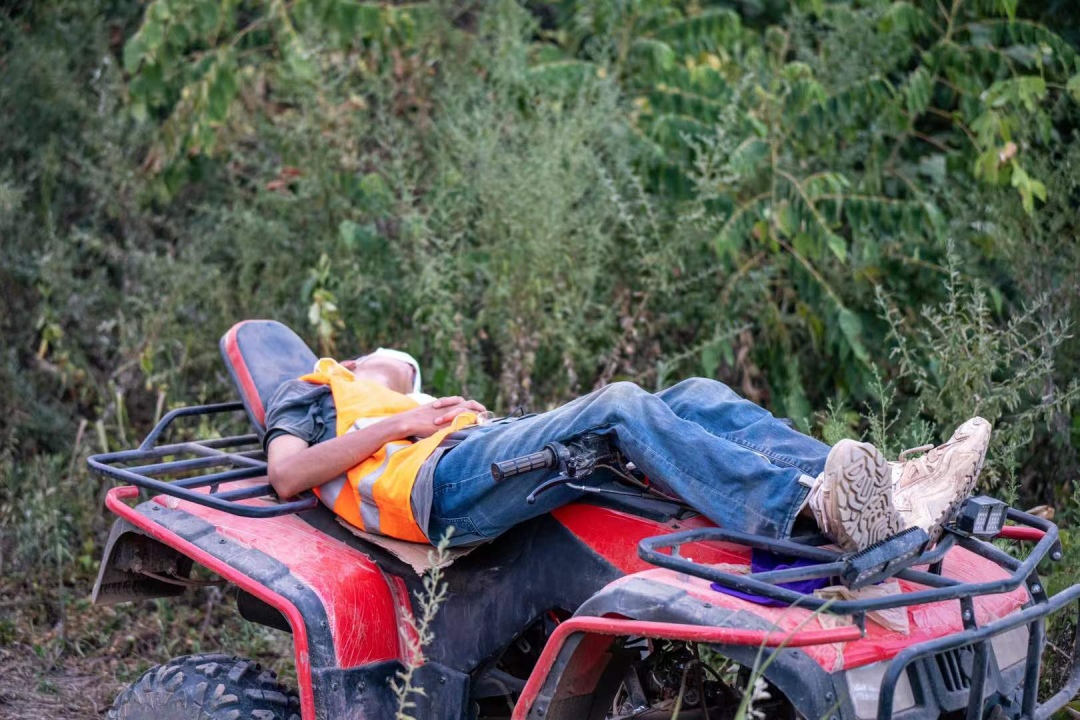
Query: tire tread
<point>206,687</point>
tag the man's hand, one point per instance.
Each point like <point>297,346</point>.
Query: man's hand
<point>428,419</point>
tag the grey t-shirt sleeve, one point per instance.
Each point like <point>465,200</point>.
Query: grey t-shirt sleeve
<point>301,409</point>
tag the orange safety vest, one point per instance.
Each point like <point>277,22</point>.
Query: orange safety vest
<point>376,495</point>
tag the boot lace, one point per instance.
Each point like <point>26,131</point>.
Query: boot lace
<point>909,451</point>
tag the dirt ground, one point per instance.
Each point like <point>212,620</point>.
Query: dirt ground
<point>68,662</point>
<point>31,687</point>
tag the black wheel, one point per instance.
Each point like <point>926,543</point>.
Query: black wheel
<point>207,687</point>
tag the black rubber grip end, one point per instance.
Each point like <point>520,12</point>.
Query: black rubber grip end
<point>543,460</point>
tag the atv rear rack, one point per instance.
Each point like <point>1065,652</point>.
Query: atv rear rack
<point>940,588</point>
<point>241,453</point>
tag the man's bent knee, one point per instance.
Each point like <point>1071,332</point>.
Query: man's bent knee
<point>622,389</point>
<point>704,387</point>
<point>619,400</point>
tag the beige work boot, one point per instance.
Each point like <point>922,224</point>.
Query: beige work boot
<point>852,500</point>
<point>929,490</point>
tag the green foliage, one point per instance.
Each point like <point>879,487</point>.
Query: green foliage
<point>960,364</point>
<point>195,63</point>
<point>835,171</point>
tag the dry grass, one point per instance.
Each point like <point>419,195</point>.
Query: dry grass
<point>70,660</point>
<point>73,689</point>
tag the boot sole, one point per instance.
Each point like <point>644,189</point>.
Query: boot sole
<point>861,495</point>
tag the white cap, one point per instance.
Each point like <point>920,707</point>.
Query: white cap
<point>400,357</point>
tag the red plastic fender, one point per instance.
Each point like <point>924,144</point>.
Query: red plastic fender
<point>671,631</point>
<point>615,535</point>
<point>365,609</point>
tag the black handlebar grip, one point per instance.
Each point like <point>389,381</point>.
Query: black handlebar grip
<point>543,460</point>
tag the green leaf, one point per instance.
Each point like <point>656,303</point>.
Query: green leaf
<point>221,91</point>
<point>838,246</point>
<point>851,327</point>
<point>748,156</point>
<point>933,167</point>
<point>1029,188</point>
<point>1074,87</point>
<point>206,17</point>
<point>804,94</point>
<point>348,232</point>
<point>217,102</point>
<point>701,80</point>
<point>936,217</point>
<point>787,219</point>
<point>1026,90</point>
<point>297,59</point>
<point>671,130</point>
<point>669,101</point>
<point>996,297</point>
<point>708,31</point>
<point>919,90</point>
<point>906,18</point>
<point>1005,7</point>
<point>158,12</point>
<point>376,196</point>
<point>986,127</point>
<point>153,33</point>
<point>138,111</point>
<point>179,35</point>
<point>654,56</point>
<point>134,51</point>
<point>710,359</point>
<point>370,19</point>
<point>796,404</point>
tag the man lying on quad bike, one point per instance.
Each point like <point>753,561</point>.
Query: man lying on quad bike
<point>607,596</point>
<point>391,460</point>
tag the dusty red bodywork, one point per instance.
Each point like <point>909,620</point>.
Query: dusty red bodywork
<point>366,608</point>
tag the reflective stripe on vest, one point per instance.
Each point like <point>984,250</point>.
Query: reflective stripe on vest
<point>376,495</point>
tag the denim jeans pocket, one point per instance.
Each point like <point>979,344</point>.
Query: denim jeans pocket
<point>465,531</point>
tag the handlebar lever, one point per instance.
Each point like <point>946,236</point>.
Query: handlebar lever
<point>594,489</point>
<point>548,485</point>
<point>574,461</point>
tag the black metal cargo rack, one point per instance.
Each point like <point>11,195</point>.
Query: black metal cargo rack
<point>940,588</point>
<point>241,454</point>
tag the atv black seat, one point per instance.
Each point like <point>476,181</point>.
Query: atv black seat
<point>260,356</point>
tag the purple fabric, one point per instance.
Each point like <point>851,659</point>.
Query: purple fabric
<point>762,561</point>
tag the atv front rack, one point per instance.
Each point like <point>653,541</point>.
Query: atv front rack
<point>242,453</point>
<point>939,588</point>
<point>831,563</point>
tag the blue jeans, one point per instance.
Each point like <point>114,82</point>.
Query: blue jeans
<point>728,458</point>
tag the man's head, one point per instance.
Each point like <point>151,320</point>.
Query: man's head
<point>393,369</point>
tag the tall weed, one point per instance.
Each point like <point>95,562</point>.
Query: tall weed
<point>955,362</point>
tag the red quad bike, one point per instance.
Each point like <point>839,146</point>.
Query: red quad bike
<point>602,609</point>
